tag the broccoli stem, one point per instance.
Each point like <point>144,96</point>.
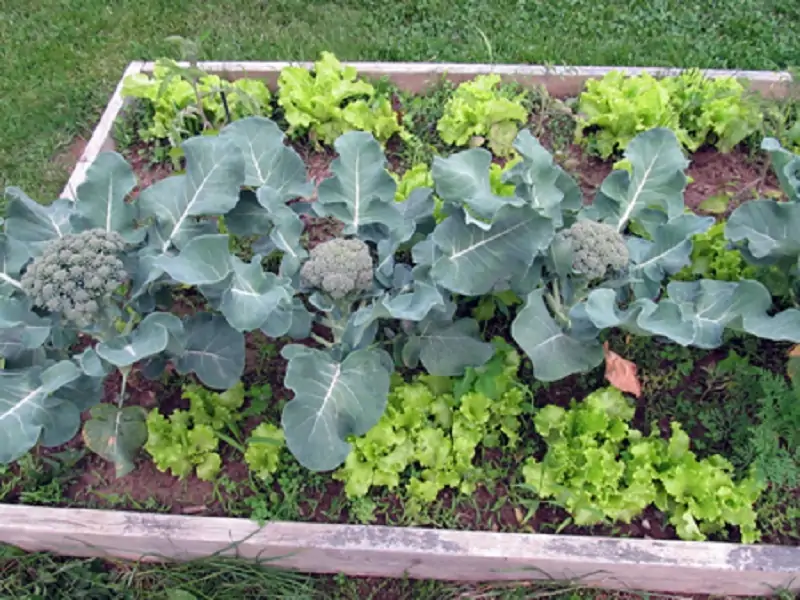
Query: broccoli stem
<point>122,388</point>
<point>321,340</point>
<point>553,299</point>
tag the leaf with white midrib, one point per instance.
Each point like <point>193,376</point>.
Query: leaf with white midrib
<point>360,192</point>
<point>332,401</point>
<point>29,404</point>
<point>472,260</point>
<point>101,197</point>
<point>211,185</point>
<point>656,179</point>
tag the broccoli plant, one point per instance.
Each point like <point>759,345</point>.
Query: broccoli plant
<point>371,311</point>
<point>580,268</point>
<point>85,291</point>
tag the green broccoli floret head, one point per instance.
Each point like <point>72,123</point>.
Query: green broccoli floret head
<point>597,249</point>
<point>76,274</point>
<point>339,267</point>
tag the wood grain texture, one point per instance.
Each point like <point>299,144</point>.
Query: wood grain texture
<point>560,81</point>
<point>102,139</point>
<point>677,567</point>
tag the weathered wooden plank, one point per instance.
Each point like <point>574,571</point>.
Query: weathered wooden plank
<point>560,81</point>
<point>677,567</point>
<point>102,139</point>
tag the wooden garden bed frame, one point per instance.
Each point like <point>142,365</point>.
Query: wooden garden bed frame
<point>628,564</point>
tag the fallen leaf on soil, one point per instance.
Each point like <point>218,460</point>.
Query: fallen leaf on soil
<point>621,373</point>
<point>519,514</point>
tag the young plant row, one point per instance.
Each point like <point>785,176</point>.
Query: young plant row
<point>86,288</point>
<point>596,465</point>
<point>329,100</point>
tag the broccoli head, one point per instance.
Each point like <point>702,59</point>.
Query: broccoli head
<point>76,274</point>
<point>339,267</point>
<point>597,249</point>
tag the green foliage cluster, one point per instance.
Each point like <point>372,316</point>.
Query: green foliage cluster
<point>765,433</point>
<point>714,257</point>
<point>484,110</point>
<point>188,440</point>
<point>598,467</point>
<point>184,102</point>
<point>332,100</point>
<point>265,447</point>
<point>428,437</point>
<point>418,176</point>
<point>614,109</point>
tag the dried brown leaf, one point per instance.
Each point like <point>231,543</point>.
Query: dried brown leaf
<point>621,373</point>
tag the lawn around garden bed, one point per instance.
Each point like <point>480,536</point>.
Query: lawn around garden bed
<point>732,396</point>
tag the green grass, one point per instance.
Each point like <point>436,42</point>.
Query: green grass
<point>61,59</point>
<point>41,576</point>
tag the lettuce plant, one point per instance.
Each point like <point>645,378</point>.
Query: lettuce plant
<point>427,439</point>
<point>186,101</point>
<point>598,468</point>
<point>483,110</point>
<point>331,100</point>
<point>616,108</point>
<point>188,440</point>
<point>264,448</point>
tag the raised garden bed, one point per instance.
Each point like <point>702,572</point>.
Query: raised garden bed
<point>715,392</point>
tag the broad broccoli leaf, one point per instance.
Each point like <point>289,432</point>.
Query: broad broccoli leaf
<point>553,352</point>
<point>215,170</point>
<point>33,224</point>
<point>361,191</point>
<point>20,327</point>
<point>100,199</point>
<point>696,313</point>
<point>31,408</point>
<point>293,321</point>
<point>152,336</point>
<point>333,400</point>
<point>253,295</point>
<point>269,163</point>
<point>13,256</point>
<point>445,348</point>
<point>212,350</point>
<point>116,434</point>
<point>462,180</point>
<point>470,260</point>
<point>541,182</point>
<point>248,217</point>
<point>786,166</point>
<point>204,260</point>
<point>668,252</point>
<point>657,179</point>
<point>767,229</point>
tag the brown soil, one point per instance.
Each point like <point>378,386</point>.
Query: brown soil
<point>147,172</point>
<point>737,173</point>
